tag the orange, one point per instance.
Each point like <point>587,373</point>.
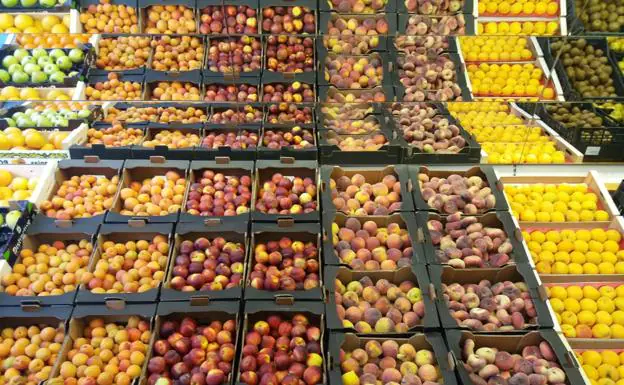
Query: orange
<point>35,140</point>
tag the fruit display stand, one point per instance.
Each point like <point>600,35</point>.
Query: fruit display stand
<point>43,156</point>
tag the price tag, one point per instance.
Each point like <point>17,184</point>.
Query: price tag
<point>592,150</point>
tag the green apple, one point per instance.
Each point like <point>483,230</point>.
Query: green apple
<point>43,60</point>
<point>47,3</point>
<point>20,77</point>
<point>24,122</point>
<point>28,3</point>
<point>30,68</point>
<point>39,52</point>
<point>83,114</point>
<point>64,63</point>
<point>76,55</point>
<point>50,68</point>
<point>39,77</point>
<point>44,122</point>
<point>57,77</point>
<point>9,3</point>
<point>20,53</point>
<point>28,59</point>
<point>8,60</point>
<point>4,76</point>
<point>56,53</point>
<point>14,68</point>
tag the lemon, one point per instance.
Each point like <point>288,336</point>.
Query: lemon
<point>558,292</point>
<point>577,257</point>
<point>583,235</point>
<point>607,371</point>
<point>562,256</point>
<point>607,256</point>
<point>560,268</point>
<point>534,246</point>
<point>585,317</point>
<point>528,216</point>
<point>5,178</point>
<point>543,268</point>
<point>619,267</point>
<point>588,205</point>
<point>572,305</point>
<point>590,268</point>
<point>591,358</point>
<point>611,246</point>
<point>575,292</point>
<point>605,304</point>
<point>557,217</point>
<point>619,292</point>
<point>613,235</point>
<point>603,317</point>
<point>610,357</point>
<point>609,292</point>
<point>557,305</point>
<point>553,236</point>
<point>537,236</point>
<point>569,318</point>
<point>568,331</point>
<point>620,255</point>
<point>601,215</point>
<point>617,331</point>
<point>568,235</point>
<point>588,304</point>
<point>591,293</point>
<point>587,216</point>
<point>601,331</point>
<point>591,372</point>
<point>596,246</point>
<point>598,235</point>
<point>619,303</point>
<point>575,268</point>
<point>565,246</point>
<point>606,268</point>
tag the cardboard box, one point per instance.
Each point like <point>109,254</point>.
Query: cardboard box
<point>372,175</point>
<point>405,220</point>
<point>260,310</point>
<point>203,314</point>
<point>308,153</point>
<point>90,165</point>
<point>486,173</point>
<point>578,346</point>
<point>212,228</point>
<point>592,180</point>
<point>32,172</point>
<point>289,168</point>
<point>432,341</point>
<point>138,170</point>
<point>261,233</point>
<point>228,168</point>
<point>446,275</point>
<point>512,344</point>
<point>417,274</point>
<point>36,235</point>
<point>132,231</point>
<point>498,219</point>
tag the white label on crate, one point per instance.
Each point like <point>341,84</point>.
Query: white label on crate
<point>592,150</point>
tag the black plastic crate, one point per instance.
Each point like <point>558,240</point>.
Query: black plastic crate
<point>387,153</point>
<point>390,19</point>
<point>231,230</point>
<point>375,95</point>
<point>152,78</point>
<point>139,70</point>
<point>255,73</point>
<point>143,152</point>
<point>101,151</point>
<point>203,153</point>
<point>11,236</point>
<point>407,22</point>
<point>618,197</point>
<point>385,63</point>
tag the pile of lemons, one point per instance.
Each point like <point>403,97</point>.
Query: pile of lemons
<point>495,48</point>
<point>28,93</point>
<point>15,139</point>
<point>517,80</point>
<point>530,153</point>
<point>537,28</point>
<point>25,23</point>
<point>595,251</point>
<point>565,202</point>
<point>15,187</point>
<point>588,311</point>
<point>602,367</point>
